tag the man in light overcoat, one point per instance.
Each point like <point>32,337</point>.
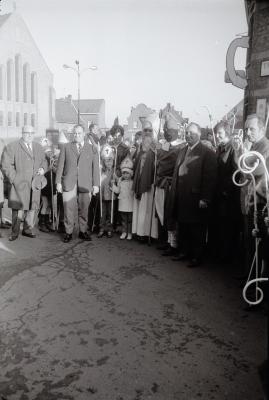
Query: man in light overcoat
<point>23,160</point>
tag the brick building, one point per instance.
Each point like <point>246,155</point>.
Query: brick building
<point>256,99</point>
<point>26,83</point>
<point>255,79</point>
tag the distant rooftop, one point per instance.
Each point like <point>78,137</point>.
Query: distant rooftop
<point>66,108</point>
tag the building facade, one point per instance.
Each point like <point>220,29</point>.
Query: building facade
<point>91,111</point>
<point>27,95</point>
<point>255,79</point>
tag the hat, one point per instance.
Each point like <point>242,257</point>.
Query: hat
<point>170,123</point>
<point>38,182</point>
<point>127,165</point>
<point>107,152</point>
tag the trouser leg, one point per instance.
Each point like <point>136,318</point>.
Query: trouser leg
<point>129,222</point>
<point>197,239</point>
<point>124,221</point>
<point>16,221</point>
<point>70,204</point>
<point>109,226</point>
<point>84,200</point>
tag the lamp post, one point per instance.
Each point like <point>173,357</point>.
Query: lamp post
<point>79,72</point>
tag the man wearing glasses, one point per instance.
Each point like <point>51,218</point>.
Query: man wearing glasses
<point>23,162</point>
<point>77,177</point>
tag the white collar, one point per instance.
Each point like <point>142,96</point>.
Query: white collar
<point>192,147</point>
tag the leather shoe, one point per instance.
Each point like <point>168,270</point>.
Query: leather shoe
<point>171,251</point>
<point>194,263</point>
<point>109,234</point>
<point>28,233</point>
<point>180,257</point>
<point>67,237</point>
<point>85,236</point>
<point>100,234</point>
<point>13,237</point>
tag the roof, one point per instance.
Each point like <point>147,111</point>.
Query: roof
<point>66,109</point>
<point>3,18</point>
<point>89,106</point>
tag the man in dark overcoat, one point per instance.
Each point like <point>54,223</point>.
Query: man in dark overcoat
<point>193,186</point>
<point>23,160</point>
<point>77,177</point>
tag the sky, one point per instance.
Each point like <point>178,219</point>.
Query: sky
<point>146,51</point>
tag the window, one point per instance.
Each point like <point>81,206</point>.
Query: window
<point>33,120</point>
<point>25,82</point>
<point>17,119</point>
<point>1,118</point>
<point>33,87</point>
<point>9,80</point>
<point>1,83</point>
<point>17,77</point>
<point>9,118</point>
<point>25,119</point>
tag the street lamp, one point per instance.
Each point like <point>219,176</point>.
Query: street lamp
<point>79,72</point>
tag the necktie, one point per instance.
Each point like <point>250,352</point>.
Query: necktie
<point>79,148</point>
<point>29,148</point>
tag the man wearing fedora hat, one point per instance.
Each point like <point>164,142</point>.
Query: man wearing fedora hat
<point>24,165</point>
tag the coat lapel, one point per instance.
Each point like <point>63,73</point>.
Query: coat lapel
<point>181,156</point>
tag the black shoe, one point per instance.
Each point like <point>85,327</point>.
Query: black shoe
<point>109,234</point>
<point>5,225</point>
<point>163,246</point>
<point>195,262</point>
<point>13,237</point>
<point>28,233</point>
<point>180,257</point>
<point>43,228</point>
<point>170,252</point>
<point>100,234</point>
<point>67,237</point>
<point>85,236</point>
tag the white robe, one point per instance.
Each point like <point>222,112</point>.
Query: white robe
<point>142,212</point>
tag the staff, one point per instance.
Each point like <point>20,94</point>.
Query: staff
<point>211,124</point>
<point>100,176</point>
<point>114,173</point>
<point>244,168</point>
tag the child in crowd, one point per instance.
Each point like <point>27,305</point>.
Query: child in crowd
<point>126,197</point>
<point>107,157</point>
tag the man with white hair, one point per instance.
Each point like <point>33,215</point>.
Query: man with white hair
<point>193,186</point>
<point>24,165</point>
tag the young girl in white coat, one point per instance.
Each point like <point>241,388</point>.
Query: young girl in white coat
<point>126,197</point>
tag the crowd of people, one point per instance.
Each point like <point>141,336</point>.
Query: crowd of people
<point>178,190</point>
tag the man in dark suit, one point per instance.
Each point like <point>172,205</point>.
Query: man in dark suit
<point>23,162</point>
<point>77,178</point>
<point>193,186</point>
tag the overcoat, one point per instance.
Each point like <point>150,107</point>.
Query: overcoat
<point>195,182</point>
<point>2,146</point>
<point>78,169</point>
<point>20,166</point>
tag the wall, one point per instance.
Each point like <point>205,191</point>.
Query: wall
<point>16,39</point>
<point>258,87</point>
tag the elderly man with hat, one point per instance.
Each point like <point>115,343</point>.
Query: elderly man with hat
<point>24,165</point>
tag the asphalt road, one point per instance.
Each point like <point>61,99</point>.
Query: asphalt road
<point>113,320</point>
